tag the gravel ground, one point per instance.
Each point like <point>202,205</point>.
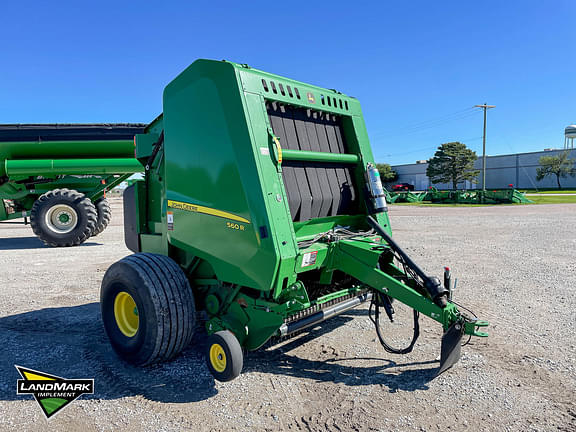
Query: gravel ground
<point>516,267</point>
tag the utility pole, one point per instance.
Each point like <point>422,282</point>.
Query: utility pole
<point>485,107</point>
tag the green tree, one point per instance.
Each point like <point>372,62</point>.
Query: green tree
<point>387,174</point>
<point>453,163</point>
<point>560,165</point>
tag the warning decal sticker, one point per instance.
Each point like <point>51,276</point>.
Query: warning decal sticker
<point>170,220</point>
<point>309,259</point>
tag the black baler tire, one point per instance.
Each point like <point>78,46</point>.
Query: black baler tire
<point>104,215</point>
<point>165,302</point>
<point>85,211</point>
<point>234,355</point>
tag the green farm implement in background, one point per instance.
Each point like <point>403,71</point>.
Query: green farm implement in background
<point>261,207</point>
<point>489,196</point>
<point>407,196</point>
<point>57,175</point>
<point>473,196</point>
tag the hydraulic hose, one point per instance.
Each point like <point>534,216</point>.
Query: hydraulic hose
<point>375,308</point>
<point>432,284</point>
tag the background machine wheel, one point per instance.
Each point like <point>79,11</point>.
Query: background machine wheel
<point>63,217</point>
<point>147,308</point>
<point>104,215</point>
<point>224,356</point>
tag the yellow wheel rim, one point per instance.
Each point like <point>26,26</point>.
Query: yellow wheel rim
<point>126,314</point>
<point>217,357</point>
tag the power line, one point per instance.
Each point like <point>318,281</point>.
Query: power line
<point>444,117</point>
<point>411,151</point>
<point>418,127</point>
<point>430,126</point>
<point>430,147</point>
<point>465,140</point>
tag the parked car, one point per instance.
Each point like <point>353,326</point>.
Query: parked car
<point>402,187</point>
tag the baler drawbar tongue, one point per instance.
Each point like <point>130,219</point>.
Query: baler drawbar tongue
<point>423,293</point>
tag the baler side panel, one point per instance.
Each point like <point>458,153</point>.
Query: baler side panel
<point>210,168</point>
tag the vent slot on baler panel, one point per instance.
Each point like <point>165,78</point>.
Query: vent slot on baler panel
<point>314,189</point>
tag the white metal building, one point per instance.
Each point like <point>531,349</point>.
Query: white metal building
<point>516,169</point>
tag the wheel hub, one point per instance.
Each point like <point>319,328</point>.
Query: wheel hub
<point>61,218</point>
<point>126,314</point>
<point>218,357</point>
<point>64,218</point>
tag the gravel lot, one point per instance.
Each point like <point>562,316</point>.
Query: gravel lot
<point>516,267</point>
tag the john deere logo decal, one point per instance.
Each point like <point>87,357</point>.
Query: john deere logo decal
<point>52,392</point>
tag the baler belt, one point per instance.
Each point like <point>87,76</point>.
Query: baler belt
<point>314,189</point>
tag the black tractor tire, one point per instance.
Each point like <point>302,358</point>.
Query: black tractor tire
<point>156,289</point>
<point>224,356</point>
<point>63,217</point>
<point>104,215</point>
